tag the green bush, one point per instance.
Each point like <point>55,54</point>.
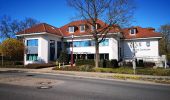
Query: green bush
<point>121,70</point>
<point>114,63</point>
<point>38,66</point>
<point>105,64</point>
<point>80,62</point>
<point>87,68</point>
<point>102,63</point>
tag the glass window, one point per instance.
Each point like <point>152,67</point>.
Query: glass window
<point>86,43</point>
<point>104,42</point>
<point>148,43</point>
<point>71,29</point>
<point>82,28</point>
<point>133,31</point>
<point>92,28</point>
<point>32,42</point>
<point>32,57</point>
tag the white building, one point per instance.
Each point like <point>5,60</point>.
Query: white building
<point>44,42</point>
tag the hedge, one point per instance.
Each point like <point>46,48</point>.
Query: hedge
<point>102,63</point>
<point>38,66</point>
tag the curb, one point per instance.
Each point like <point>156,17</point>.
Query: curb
<point>108,79</point>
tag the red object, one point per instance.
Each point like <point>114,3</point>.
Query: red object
<point>72,53</point>
<point>141,33</point>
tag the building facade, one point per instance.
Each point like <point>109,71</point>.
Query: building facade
<point>44,42</point>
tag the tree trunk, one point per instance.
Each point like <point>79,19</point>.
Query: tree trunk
<point>97,54</point>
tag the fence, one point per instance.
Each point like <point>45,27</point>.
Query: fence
<point>7,61</point>
<point>159,61</point>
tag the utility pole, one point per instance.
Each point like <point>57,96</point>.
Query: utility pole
<point>72,36</point>
<point>134,58</point>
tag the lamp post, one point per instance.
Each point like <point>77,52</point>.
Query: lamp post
<point>134,59</point>
<point>72,36</point>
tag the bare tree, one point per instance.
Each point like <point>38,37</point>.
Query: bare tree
<point>165,41</point>
<point>112,12</point>
<point>9,27</point>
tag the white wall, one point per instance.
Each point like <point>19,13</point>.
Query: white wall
<point>142,50</point>
<point>43,47</point>
<point>112,48</point>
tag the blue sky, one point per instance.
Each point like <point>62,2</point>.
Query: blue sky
<point>149,13</point>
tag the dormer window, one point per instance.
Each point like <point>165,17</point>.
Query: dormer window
<point>92,27</point>
<point>82,28</point>
<point>133,31</point>
<point>71,29</point>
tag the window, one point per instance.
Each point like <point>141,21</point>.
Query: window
<point>32,42</point>
<point>148,43</point>
<point>92,27</point>
<point>104,42</point>
<point>86,43</point>
<point>133,31</point>
<point>71,29</point>
<point>32,52</point>
<point>82,28</point>
<point>32,57</point>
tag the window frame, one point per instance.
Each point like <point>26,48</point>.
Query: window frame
<point>92,28</point>
<point>148,44</point>
<point>81,28</point>
<point>34,43</point>
<point>27,57</point>
<point>134,31</point>
<point>69,29</point>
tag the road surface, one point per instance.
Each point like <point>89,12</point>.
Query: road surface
<point>75,88</point>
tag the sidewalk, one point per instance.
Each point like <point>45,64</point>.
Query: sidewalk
<point>128,77</point>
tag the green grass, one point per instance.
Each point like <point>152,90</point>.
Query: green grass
<point>127,70</point>
<point>121,70</point>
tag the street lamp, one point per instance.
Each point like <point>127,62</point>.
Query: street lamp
<point>134,59</point>
<point>72,36</point>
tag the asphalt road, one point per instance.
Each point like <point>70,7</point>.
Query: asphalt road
<point>74,88</point>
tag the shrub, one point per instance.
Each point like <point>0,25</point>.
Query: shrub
<point>140,63</point>
<point>102,63</point>
<point>114,63</point>
<point>121,70</point>
<point>87,68</point>
<point>105,64</point>
<point>67,68</point>
<point>149,64</point>
<point>80,62</point>
<point>19,63</point>
<point>127,64</point>
<point>38,66</point>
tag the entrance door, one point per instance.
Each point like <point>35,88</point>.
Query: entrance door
<point>52,50</point>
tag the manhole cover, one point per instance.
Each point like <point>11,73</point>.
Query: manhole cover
<point>30,75</point>
<point>44,87</point>
<point>44,83</point>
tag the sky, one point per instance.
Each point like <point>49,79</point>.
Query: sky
<point>148,13</point>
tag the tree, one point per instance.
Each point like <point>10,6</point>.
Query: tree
<point>9,27</point>
<point>112,12</point>
<point>63,58</point>
<point>165,41</point>
<point>12,48</point>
